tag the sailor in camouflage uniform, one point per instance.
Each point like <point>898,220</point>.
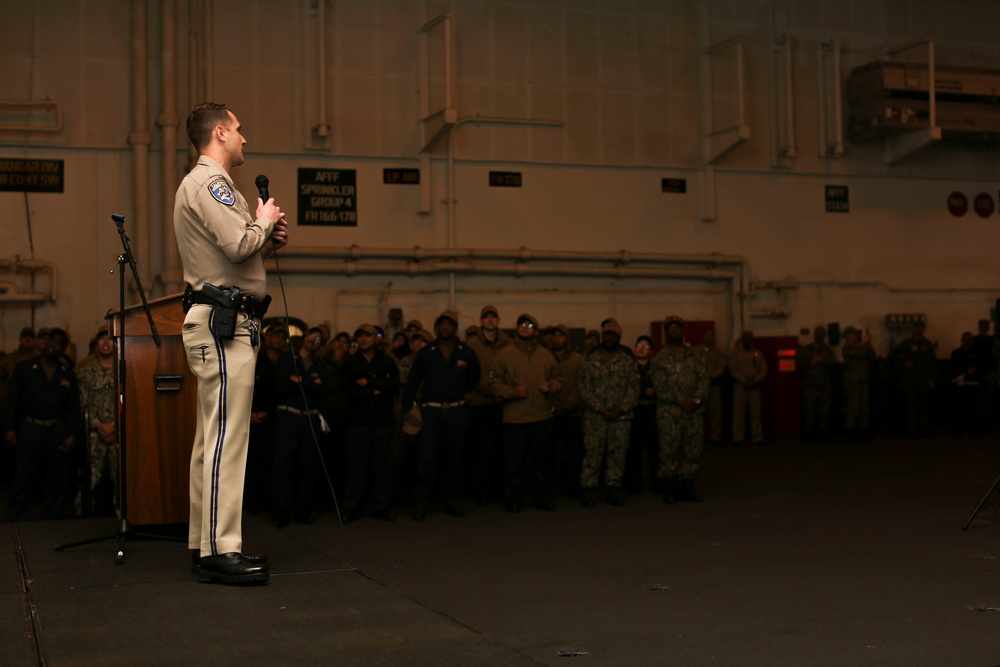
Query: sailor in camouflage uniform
<point>816,361</point>
<point>716,363</point>
<point>609,387</point>
<point>680,379</point>
<point>858,360</point>
<point>97,391</point>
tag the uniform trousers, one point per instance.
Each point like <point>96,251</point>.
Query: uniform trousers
<point>257,491</point>
<point>225,370</point>
<point>528,440</point>
<point>715,413</point>
<point>368,455</point>
<point>856,398</point>
<point>567,442</point>
<point>103,459</point>
<point>917,398</point>
<point>682,436</point>
<point>37,451</point>
<point>816,402</point>
<point>441,435</point>
<point>296,465</point>
<point>604,441</point>
<point>746,400</point>
<point>643,442</point>
<point>485,451</point>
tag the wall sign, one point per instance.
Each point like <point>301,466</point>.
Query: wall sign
<point>674,185</point>
<point>838,199</point>
<point>983,204</point>
<point>505,179</point>
<point>18,175</point>
<point>958,204</point>
<point>401,176</point>
<point>328,197</point>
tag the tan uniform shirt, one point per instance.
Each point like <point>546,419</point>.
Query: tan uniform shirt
<point>486,352</point>
<point>525,364</point>
<point>747,365</point>
<point>218,239</point>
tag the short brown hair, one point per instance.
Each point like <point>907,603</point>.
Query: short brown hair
<point>202,121</point>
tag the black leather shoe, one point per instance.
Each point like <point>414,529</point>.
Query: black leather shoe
<point>255,559</point>
<point>545,504</point>
<point>280,521</point>
<point>513,508</point>
<point>384,515</point>
<point>233,568</point>
<point>419,510</point>
<point>347,516</point>
<point>589,503</point>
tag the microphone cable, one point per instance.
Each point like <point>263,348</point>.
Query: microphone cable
<point>305,401</point>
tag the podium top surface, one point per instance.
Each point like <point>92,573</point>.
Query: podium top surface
<point>167,312</point>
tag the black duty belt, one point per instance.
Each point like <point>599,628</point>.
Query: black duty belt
<point>40,422</point>
<point>215,296</point>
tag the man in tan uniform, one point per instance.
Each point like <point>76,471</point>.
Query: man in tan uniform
<point>484,451</point>
<point>748,368</point>
<point>222,247</point>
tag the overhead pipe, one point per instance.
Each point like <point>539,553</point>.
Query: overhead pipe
<point>415,268</point>
<point>622,257</point>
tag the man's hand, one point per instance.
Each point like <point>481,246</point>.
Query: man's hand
<point>106,432</point>
<point>10,437</point>
<point>269,210</point>
<point>67,445</point>
<point>279,234</point>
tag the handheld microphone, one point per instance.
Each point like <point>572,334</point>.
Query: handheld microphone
<point>262,182</point>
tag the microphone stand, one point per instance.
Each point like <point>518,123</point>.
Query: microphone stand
<point>124,530</point>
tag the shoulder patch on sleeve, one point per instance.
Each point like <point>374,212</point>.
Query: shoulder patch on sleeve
<point>222,192</point>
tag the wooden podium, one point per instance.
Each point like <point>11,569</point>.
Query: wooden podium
<point>161,402</point>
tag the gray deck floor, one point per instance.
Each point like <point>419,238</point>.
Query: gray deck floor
<point>802,554</point>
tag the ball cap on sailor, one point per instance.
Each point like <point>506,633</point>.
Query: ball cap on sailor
<point>673,319</point>
<point>525,317</point>
<point>426,335</point>
<point>612,326</point>
<point>447,315</point>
